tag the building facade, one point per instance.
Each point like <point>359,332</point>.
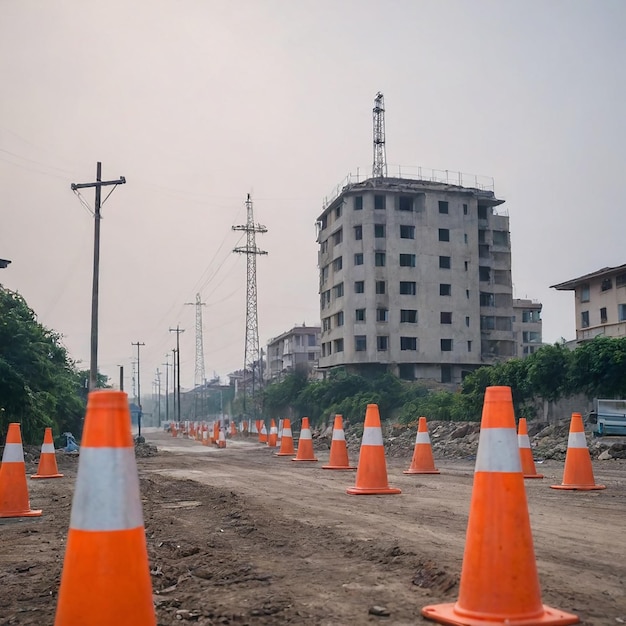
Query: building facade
<point>415,278</point>
<point>297,350</point>
<point>527,326</point>
<point>600,302</point>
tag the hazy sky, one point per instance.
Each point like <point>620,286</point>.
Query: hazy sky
<point>199,102</point>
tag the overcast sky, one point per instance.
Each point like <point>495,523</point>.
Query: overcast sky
<point>199,102</point>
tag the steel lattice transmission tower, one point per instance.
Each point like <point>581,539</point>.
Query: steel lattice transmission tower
<point>252,356</point>
<point>199,374</point>
<point>379,169</point>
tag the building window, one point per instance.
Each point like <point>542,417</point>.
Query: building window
<point>487,299</point>
<point>466,266</point>
<point>500,238</point>
<point>360,343</point>
<point>338,212</point>
<point>358,203</point>
<point>603,318</point>
<point>465,239</point>
<point>467,293</point>
<point>620,280</point>
<point>406,371</point>
<point>312,356</point>
<point>467,320</point>
<point>379,230</point>
<point>531,337</point>
<point>338,320</point>
<point>325,298</point>
<point>408,343</point>
<point>407,260</point>
<point>408,288</point>
<point>445,317</point>
<point>584,319</point>
<point>337,264</point>
<point>469,346</point>
<point>326,324</point>
<point>408,316</point>
<point>444,234</point>
<point>584,293</point>
<point>446,374</point>
<point>379,259</point>
<point>312,340</point>
<point>621,312</point>
<point>484,274</point>
<point>531,315</point>
<point>359,315</point>
<point>359,286</point>
<point>324,246</point>
<point>358,258</point>
<point>465,209</point>
<point>382,315</point>
<point>405,203</point>
<point>445,262</point>
<point>487,322</point>
<point>482,212</point>
<point>338,345</point>
<point>443,206</point>
<point>324,222</point>
<point>606,284</point>
<point>407,232</point>
<point>337,237</point>
<point>446,345</point>
<point>445,289</point>
<point>382,343</point>
<point>358,232</point>
<point>338,290</point>
<point>380,287</point>
<point>482,236</point>
<point>324,276</point>
<point>379,202</point>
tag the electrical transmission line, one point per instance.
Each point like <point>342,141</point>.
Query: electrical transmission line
<point>252,355</point>
<point>199,375</point>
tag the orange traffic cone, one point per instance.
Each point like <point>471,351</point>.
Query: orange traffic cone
<point>106,575</point>
<point>525,453</point>
<point>205,437</point>
<point>273,436</point>
<point>422,461</point>
<point>578,473</point>
<point>14,500</point>
<point>263,433</point>
<point>338,458</point>
<point>499,582</point>
<point>286,443</point>
<point>221,441</point>
<point>233,429</point>
<point>173,430</point>
<point>305,443</point>
<point>47,467</point>
<point>371,472</point>
<point>216,432</point>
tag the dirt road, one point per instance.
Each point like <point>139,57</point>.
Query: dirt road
<point>238,536</point>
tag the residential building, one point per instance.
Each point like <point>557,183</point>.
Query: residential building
<point>297,350</point>
<point>600,302</point>
<point>415,278</point>
<point>527,326</point>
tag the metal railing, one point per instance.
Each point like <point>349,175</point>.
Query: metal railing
<point>448,177</point>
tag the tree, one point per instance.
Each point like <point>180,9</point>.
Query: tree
<point>39,384</point>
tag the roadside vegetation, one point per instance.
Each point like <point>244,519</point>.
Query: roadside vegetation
<point>596,369</point>
<point>40,385</point>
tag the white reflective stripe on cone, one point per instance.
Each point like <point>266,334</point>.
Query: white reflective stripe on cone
<point>339,435</point>
<point>47,448</point>
<point>523,441</point>
<point>422,438</point>
<point>13,453</point>
<point>577,440</point>
<point>287,432</point>
<point>305,434</point>
<point>498,451</point>
<point>273,430</point>
<point>372,436</point>
<point>107,490</point>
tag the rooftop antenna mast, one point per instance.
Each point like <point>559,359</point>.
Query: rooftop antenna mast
<point>379,169</point>
<point>252,355</point>
<point>199,374</point>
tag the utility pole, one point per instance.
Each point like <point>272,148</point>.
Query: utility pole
<point>158,384</point>
<point>198,377</point>
<point>167,389</point>
<point>251,351</point>
<point>121,377</point>
<point>174,383</point>
<point>178,330</point>
<point>138,344</point>
<point>379,168</point>
<point>93,364</point>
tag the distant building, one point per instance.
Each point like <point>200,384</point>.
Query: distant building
<point>4,263</point>
<point>297,350</point>
<point>600,302</point>
<point>415,277</point>
<point>527,326</point>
